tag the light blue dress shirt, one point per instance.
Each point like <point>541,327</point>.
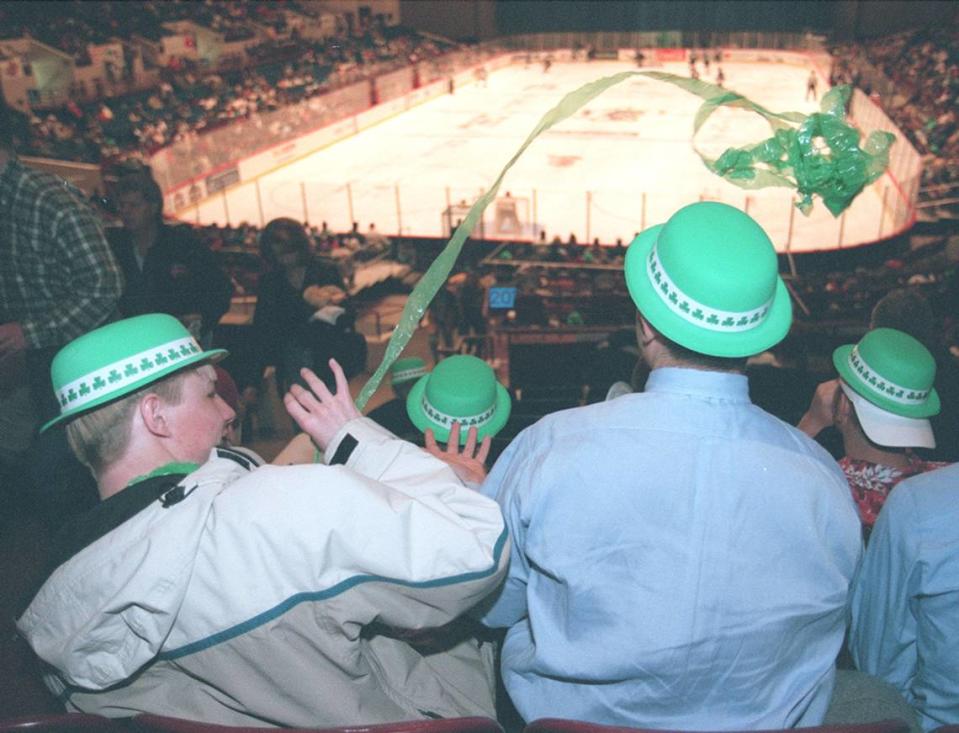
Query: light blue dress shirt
<point>905,602</point>
<point>681,560</point>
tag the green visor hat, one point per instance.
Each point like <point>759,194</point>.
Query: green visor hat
<point>117,359</point>
<point>708,280</point>
<point>461,389</point>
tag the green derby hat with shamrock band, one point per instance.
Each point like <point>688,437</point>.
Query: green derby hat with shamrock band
<point>708,279</point>
<point>406,370</point>
<point>114,360</point>
<point>461,389</point>
<point>891,370</point>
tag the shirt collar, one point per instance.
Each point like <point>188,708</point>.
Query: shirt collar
<point>724,385</point>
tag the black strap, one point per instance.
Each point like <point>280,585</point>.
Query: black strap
<point>344,450</point>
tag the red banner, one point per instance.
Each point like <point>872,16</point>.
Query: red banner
<point>670,54</point>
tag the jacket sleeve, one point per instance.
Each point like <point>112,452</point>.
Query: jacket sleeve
<point>386,533</point>
<point>507,483</point>
<point>883,632</point>
<point>439,547</point>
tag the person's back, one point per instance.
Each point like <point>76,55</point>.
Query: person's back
<point>904,623</point>
<point>692,557</point>
<point>681,558</point>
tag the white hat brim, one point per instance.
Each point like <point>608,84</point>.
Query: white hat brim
<point>889,430</point>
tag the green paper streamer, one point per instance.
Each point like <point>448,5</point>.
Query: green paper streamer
<point>439,270</point>
<point>816,154</point>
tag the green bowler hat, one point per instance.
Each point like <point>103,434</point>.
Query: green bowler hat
<point>461,389</point>
<point>892,370</point>
<point>114,360</point>
<point>708,279</point>
<point>406,370</point>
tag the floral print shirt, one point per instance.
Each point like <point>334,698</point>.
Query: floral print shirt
<point>871,483</point>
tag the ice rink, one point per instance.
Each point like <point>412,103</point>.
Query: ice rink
<point>621,163</point>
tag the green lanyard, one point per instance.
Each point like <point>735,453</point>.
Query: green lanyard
<point>167,469</point>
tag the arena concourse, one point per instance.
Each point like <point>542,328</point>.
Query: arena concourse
<point>378,125</point>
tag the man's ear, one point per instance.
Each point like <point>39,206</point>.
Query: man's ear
<point>645,333</point>
<point>152,411</point>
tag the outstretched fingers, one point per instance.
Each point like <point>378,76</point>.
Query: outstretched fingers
<point>430,441</point>
<point>484,450</point>
<point>316,385</point>
<point>295,409</point>
<point>342,383</point>
<point>453,443</point>
<point>470,446</point>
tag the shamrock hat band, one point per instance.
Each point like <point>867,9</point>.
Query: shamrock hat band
<point>886,388</point>
<point>694,312</point>
<point>445,421</point>
<point>893,371</point>
<point>406,375</point>
<point>708,280</point>
<point>114,377</point>
<point>461,390</point>
<point>118,359</point>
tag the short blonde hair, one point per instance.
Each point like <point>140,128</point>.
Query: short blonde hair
<point>100,437</point>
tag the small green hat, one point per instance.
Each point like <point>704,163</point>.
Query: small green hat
<point>891,370</point>
<point>406,370</point>
<point>708,279</point>
<point>461,389</point>
<point>114,360</point>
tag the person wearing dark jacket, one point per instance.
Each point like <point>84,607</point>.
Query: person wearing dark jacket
<point>302,316</point>
<point>166,268</point>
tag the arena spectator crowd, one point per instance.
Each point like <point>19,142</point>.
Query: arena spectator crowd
<point>720,544</point>
<point>922,68</point>
<point>191,99</point>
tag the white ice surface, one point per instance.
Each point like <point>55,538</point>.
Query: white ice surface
<point>624,162</point>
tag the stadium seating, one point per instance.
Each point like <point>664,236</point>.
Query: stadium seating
<point>161,724</point>
<point>556,725</point>
<point>62,723</point>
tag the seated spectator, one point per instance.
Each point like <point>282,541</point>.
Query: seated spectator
<point>207,588</point>
<point>642,589</point>
<point>904,623</point>
<point>302,315</point>
<point>881,405</point>
<point>166,268</point>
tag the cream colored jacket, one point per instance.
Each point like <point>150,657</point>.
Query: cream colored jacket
<point>247,595</point>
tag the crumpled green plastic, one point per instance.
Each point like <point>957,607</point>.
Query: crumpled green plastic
<point>817,154</point>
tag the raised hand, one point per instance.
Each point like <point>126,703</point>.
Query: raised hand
<point>319,413</point>
<point>469,465</point>
<point>821,410</point>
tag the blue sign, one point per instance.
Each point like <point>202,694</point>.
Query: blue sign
<point>502,297</point>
